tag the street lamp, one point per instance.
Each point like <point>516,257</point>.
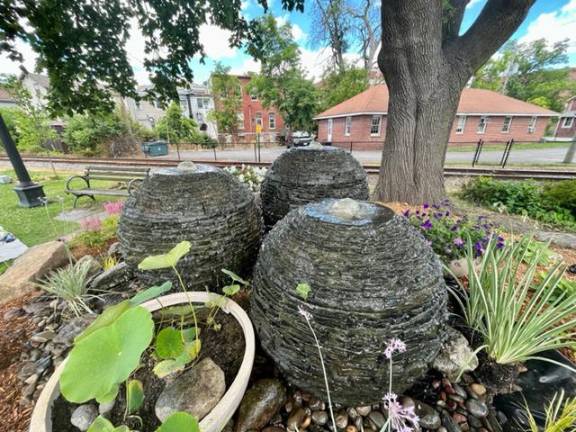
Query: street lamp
<point>29,193</point>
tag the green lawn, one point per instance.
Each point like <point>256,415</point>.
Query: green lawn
<point>515,146</point>
<point>37,225</point>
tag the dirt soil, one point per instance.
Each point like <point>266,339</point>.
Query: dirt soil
<point>15,330</point>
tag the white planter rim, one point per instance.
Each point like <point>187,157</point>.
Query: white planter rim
<point>215,421</point>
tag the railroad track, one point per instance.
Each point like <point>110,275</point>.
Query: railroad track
<point>504,173</point>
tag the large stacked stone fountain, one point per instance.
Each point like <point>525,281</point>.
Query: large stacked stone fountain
<point>308,174</point>
<point>204,205</point>
<point>372,276</point>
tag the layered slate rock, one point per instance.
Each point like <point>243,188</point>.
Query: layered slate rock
<point>307,174</point>
<point>372,277</point>
<point>205,205</point>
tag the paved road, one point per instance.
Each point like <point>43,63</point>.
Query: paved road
<point>541,156</point>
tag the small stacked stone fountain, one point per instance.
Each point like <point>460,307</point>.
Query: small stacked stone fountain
<point>202,204</point>
<point>372,277</point>
<point>308,174</point>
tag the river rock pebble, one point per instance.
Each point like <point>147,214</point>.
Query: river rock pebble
<point>83,416</point>
<point>195,391</point>
<point>260,403</point>
<point>477,408</point>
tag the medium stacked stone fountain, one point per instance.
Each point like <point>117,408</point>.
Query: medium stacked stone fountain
<point>308,174</point>
<point>372,277</point>
<point>202,204</point>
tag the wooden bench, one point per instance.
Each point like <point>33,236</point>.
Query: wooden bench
<point>128,178</point>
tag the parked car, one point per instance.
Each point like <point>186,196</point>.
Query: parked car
<point>299,139</point>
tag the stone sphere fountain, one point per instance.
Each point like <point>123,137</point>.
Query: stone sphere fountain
<point>307,174</point>
<point>205,205</point>
<point>373,277</point>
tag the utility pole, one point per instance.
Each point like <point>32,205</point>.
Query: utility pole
<point>29,193</point>
<point>569,158</point>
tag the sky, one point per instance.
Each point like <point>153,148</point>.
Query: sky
<point>553,20</point>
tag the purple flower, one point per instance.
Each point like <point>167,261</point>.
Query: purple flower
<point>459,242</point>
<point>425,205</point>
<point>402,419</point>
<point>447,213</point>
<point>394,345</point>
<point>479,248</point>
<point>426,225</point>
<point>406,213</point>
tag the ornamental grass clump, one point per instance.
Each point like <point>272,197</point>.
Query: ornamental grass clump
<point>560,415</point>
<point>518,313</point>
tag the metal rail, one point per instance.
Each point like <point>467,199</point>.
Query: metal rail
<point>370,168</point>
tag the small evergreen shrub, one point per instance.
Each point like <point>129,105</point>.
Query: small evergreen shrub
<point>563,193</point>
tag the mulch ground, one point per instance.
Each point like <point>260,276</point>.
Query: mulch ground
<point>14,332</point>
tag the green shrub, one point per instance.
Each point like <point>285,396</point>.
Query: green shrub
<point>563,193</point>
<point>549,203</point>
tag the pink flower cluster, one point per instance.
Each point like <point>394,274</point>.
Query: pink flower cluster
<point>91,224</point>
<point>114,207</point>
<point>402,419</point>
<point>393,346</point>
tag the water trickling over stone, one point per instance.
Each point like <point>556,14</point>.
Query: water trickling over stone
<point>373,277</point>
<point>307,174</point>
<point>202,204</point>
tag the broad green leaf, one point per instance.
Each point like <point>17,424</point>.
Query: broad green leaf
<point>193,348</point>
<point>167,260</point>
<point>230,290</point>
<point>151,293</point>
<point>101,424</point>
<point>107,356</point>
<point>189,334</point>
<point>110,396</point>
<point>109,316</point>
<point>169,343</point>
<point>180,422</point>
<point>182,310</point>
<point>134,395</point>
<point>234,277</point>
<point>303,290</point>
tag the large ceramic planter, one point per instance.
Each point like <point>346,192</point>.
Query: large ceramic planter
<point>216,420</point>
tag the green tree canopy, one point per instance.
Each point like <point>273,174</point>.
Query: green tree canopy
<point>227,94</point>
<point>175,127</point>
<point>529,72</point>
<point>281,82</point>
<point>338,86</point>
<point>82,44</point>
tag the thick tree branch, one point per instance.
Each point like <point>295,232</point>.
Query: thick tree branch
<point>496,23</point>
<point>452,18</point>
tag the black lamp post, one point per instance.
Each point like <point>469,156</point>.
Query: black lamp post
<point>29,193</point>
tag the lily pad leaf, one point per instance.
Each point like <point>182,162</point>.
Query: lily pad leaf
<point>167,260</point>
<point>234,277</point>
<point>106,357</point>
<point>134,395</point>
<point>151,293</point>
<point>180,422</point>
<point>169,343</point>
<point>106,318</point>
<point>303,290</point>
<point>110,396</point>
<point>230,290</point>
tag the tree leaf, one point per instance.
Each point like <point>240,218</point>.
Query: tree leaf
<point>169,343</point>
<point>106,318</point>
<point>230,290</point>
<point>180,422</point>
<point>235,277</point>
<point>303,290</point>
<point>167,260</point>
<point>134,395</point>
<point>107,356</point>
<point>151,293</point>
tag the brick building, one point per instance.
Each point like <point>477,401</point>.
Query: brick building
<point>566,127</point>
<point>482,114</point>
<point>253,113</point>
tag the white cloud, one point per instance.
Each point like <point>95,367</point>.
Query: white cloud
<point>315,62</point>
<point>554,26</point>
<point>13,67</point>
<point>215,41</point>
<point>249,65</point>
<point>297,32</point>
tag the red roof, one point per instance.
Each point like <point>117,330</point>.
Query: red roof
<point>473,101</point>
<point>5,96</point>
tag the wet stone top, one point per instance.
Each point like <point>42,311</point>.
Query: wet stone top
<point>348,211</point>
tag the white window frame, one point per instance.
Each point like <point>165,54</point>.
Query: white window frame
<point>271,121</point>
<point>460,124</point>
<point>241,120</point>
<point>348,126</point>
<point>379,118</point>
<point>482,125</point>
<point>330,129</point>
<point>567,122</point>
<point>258,120</point>
<point>532,124</point>
<point>506,128</point>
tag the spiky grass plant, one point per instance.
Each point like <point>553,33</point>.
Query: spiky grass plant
<point>518,313</point>
<point>560,415</point>
<point>71,285</point>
